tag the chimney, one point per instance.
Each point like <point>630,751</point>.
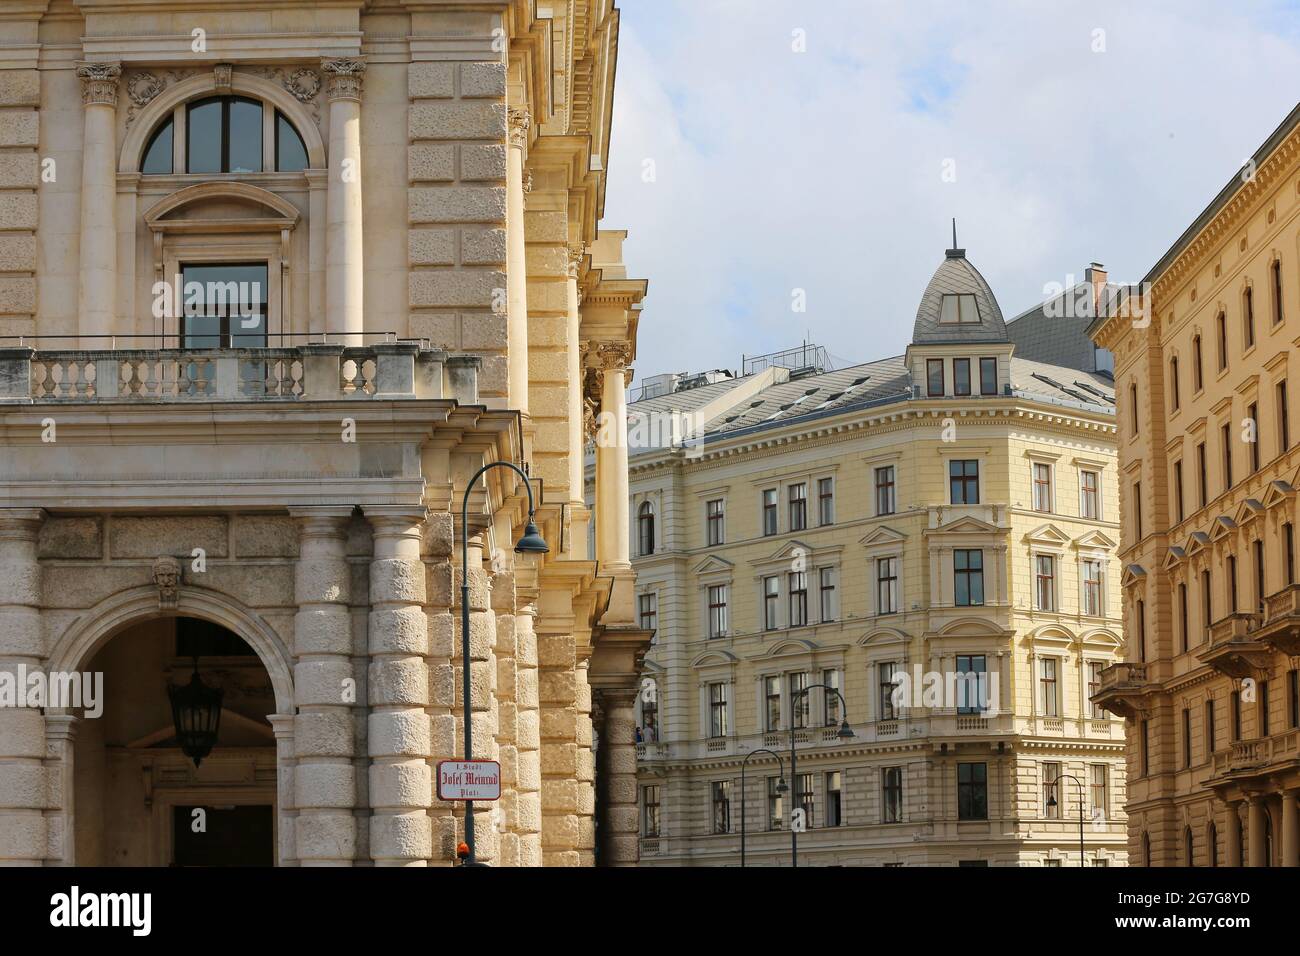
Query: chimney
<point>1096,274</point>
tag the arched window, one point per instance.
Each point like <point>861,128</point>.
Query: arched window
<point>1173,383</point>
<point>224,134</point>
<point>1188,846</point>
<point>1146,849</point>
<point>645,528</point>
<point>1212,845</point>
<point>1277,291</point>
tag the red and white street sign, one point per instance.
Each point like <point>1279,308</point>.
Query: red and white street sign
<point>469,780</point>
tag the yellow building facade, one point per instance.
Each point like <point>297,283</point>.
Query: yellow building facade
<point>917,533</point>
<point>1209,472</point>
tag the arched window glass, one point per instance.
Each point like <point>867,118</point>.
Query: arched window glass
<point>158,154</point>
<point>224,135</point>
<point>290,152</point>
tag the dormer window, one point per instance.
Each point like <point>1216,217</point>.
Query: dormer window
<point>959,310</point>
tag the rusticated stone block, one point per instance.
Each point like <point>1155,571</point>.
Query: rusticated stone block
<point>399,631</point>
<point>397,579</point>
<point>405,836</point>
<point>19,170</point>
<point>457,121</point>
<point>484,331</point>
<point>18,210</point>
<point>322,681</point>
<point>483,247</point>
<point>22,835</point>
<point>442,635</point>
<point>401,682</point>
<point>254,585</point>
<point>17,295</point>
<point>431,80</point>
<point>265,536</point>
<point>17,253</point>
<point>331,836</point>
<point>20,632</point>
<point>456,204</point>
<point>148,537</point>
<point>23,785</point>
<point>483,80</point>
<point>20,88</point>
<point>431,162</point>
<point>480,162</point>
<point>431,247</point>
<point>462,287</point>
<point>19,128</point>
<point>70,537</point>
<point>322,581</point>
<point>324,734</point>
<point>407,784</point>
<point>324,785</point>
<point>323,631</point>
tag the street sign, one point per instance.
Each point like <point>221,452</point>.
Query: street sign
<point>469,780</point>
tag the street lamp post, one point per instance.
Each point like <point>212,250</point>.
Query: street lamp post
<point>531,543</point>
<point>844,733</point>
<point>780,788</point>
<point>1051,802</point>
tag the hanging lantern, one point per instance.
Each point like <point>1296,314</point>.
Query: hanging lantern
<point>196,714</point>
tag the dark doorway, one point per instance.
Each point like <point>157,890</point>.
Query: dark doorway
<point>235,836</point>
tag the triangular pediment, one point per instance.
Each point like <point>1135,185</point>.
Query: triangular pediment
<point>791,549</point>
<point>1048,534</point>
<point>1197,542</point>
<point>1133,573</point>
<point>882,535</point>
<point>968,525</point>
<point>1095,541</point>
<point>1221,527</point>
<point>1248,511</point>
<point>1174,557</point>
<point>714,564</point>
<point>1277,492</point>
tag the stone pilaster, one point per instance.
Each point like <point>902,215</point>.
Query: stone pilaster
<point>325,689</point>
<point>612,529</point>
<point>528,767</point>
<point>400,778</point>
<point>507,735</point>
<point>577,436</point>
<point>616,777</point>
<point>23,787</point>
<point>516,261</point>
<point>97,293</point>
<point>558,701</point>
<point>20,171</point>
<point>1232,835</point>
<point>1256,826</point>
<point>439,575</point>
<point>1290,828</point>
<point>343,234</point>
<point>283,726</point>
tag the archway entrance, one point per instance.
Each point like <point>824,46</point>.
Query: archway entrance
<point>139,801</point>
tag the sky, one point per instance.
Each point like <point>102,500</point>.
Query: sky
<point>789,169</point>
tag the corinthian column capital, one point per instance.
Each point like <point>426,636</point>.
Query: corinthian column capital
<point>99,83</point>
<point>343,77</point>
<point>577,253</point>
<point>518,123</point>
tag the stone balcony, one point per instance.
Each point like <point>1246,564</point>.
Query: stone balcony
<point>318,372</point>
<point>1281,625</point>
<point>1124,688</point>
<point>1234,648</point>
<point>1261,756</point>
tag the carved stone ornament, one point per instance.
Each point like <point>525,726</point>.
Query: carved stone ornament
<point>167,576</point>
<point>576,254</point>
<point>343,78</point>
<point>222,74</point>
<point>304,84</point>
<point>518,124</point>
<point>528,181</point>
<point>99,83</point>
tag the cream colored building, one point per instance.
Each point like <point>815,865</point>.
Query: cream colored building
<point>401,198</point>
<point>936,513</point>
<point>1209,476</point>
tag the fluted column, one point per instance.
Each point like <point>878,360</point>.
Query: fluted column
<point>401,781</point>
<point>516,263</point>
<point>612,545</point>
<point>325,690</point>
<point>343,235</point>
<point>1233,836</point>
<point>97,289</point>
<point>616,779</point>
<point>22,729</point>
<point>1256,841</point>
<point>1290,828</point>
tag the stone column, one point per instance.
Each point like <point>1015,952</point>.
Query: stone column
<point>325,690</point>
<point>97,291</point>
<point>528,739</point>
<point>401,782</point>
<point>516,263</point>
<point>60,818</point>
<point>1290,828</point>
<point>506,694</point>
<point>1256,841</point>
<point>616,778</point>
<point>22,729</point>
<point>282,725</point>
<point>612,530</point>
<point>1232,838</point>
<point>343,236</point>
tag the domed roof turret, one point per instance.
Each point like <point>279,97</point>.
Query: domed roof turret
<point>958,306</point>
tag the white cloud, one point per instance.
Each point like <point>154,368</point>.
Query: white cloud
<point>821,170</point>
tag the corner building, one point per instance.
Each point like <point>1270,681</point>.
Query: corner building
<point>1209,685</point>
<point>951,511</point>
<point>389,209</point>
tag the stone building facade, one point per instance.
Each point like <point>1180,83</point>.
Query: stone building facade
<point>1210,684</point>
<point>400,198</point>
<point>951,512</point>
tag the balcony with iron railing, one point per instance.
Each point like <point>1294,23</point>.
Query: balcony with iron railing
<point>1234,649</point>
<point>126,369</point>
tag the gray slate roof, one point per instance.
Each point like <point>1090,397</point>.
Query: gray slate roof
<point>956,276</point>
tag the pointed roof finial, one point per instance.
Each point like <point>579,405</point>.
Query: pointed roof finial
<point>954,252</point>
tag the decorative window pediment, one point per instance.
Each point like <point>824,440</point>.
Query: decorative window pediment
<point>883,537</point>
<point>1221,527</point>
<point>1101,638</point>
<point>1094,540</point>
<point>1133,574</point>
<point>883,637</point>
<point>715,658</point>
<point>1277,492</point>
<point>1248,511</point>
<point>714,565</point>
<point>1197,542</point>
<point>1048,535</point>
<point>224,206</point>
<point>1174,557</point>
<point>790,648</point>
<point>967,525</point>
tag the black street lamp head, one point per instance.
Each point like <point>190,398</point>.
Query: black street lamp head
<point>196,715</point>
<point>532,542</point>
<point>845,731</point>
<point>1051,800</point>
<point>781,785</point>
